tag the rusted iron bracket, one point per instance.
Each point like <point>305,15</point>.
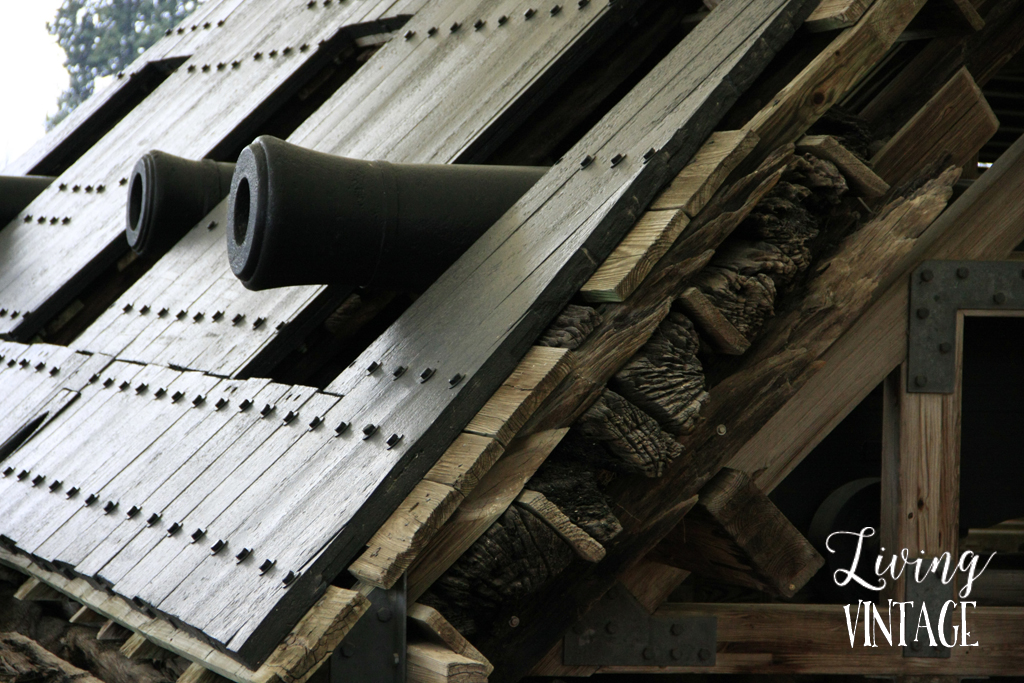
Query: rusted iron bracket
<point>374,650</point>
<point>618,631</point>
<point>938,290</point>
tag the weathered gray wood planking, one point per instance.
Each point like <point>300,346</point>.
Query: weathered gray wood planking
<point>308,499</point>
<point>423,99</point>
<point>224,89</point>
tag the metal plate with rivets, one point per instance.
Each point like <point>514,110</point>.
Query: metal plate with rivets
<point>618,631</point>
<point>938,290</point>
<point>374,650</point>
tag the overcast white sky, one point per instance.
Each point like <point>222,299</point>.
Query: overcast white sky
<point>32,73</point>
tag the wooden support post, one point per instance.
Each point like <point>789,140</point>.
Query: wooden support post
<point>862,179</point>
<point>140,648</point>
<point>87,617</point>
<point>197,673</point>
<point>921,468</point>
<point>737,535</point>
<point>34,590</point>
<point>832,14</point>
<point>434,627</point>
<point>111,630</point>
<point>433,663</point>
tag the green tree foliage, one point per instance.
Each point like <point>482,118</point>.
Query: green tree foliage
<point>102,37</point>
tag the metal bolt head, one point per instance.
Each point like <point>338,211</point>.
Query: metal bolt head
<point>920,381</point>
<point>347,650</point>
<point>513,622</point>
<point>704,654</point>
<point>611,627</point>
<point>927,275</point>
<point>675,653</point>
<point>384,614</point>
<point>999,298</point>
<point>677,629</point>
<point>720,430</point>
<point>922,313</point>
<point>648,653</point>
<point>962,272</point>
<point>945,347</point>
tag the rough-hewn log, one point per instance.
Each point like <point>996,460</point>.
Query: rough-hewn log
<point>633,440</point>
<point>665,378</point>
<point>571,328</point>
<point>22,660</point>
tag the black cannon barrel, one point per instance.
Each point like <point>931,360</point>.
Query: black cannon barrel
<point>17,192</point>
<point>298,217</point>
<point>168,195</point>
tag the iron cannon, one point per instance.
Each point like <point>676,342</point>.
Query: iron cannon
<point>298,217</point>
<point>17,192</point>
<point>168,195</point>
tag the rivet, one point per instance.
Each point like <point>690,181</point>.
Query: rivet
<point>8,471</point>
<point>173,529</point>
<point>556,9</point>
<point>124,385</point>
<point>586,161</point>
<point>528,14</point>
<point>39,366</point>
<point>289,416</point>
<point>963,272</point>
<point>237,319</point>
<point>161,313</point>
<point>234,65</point>
<point>315,422</point>
<point>611,627</point>
<point>243,555</point>
<point>41,220</point>
<point>62,187</point>
<point>181,29</point>
<point>303,47</point>
<point>221,402</point>
<point>205,68</point>
<point>168,31</point>
<point>479,24</point>
<point>258,323</point>
<point>23,474</point>
<point>432,31</point>
<point>244,405</point>
<point>54,220</point>
<point>393,441</point>
<point>399,371</point>
<point>198,400</point>
<point>108,381</point>
<point>144,310</point>
<point>582,3</point>
<point>72,492</point>
<point>922,313</point>
<point>54,485</point>
<point>617,159</point>
<point>426,374</point>
<point>287,50</point>
<point>649,154</point>
<point>514,622</point>
<point>677,629</point>
<point>267,565</point>
<point>704,654</point>
<point>369,430</point>
<point>132,511</point>
<point>217,316</point>
<point>289,578</point>
<point>153,519</point>
<point>311,4</point>
<point>257,55</point>
<point>409,34</point>
<point>141,389</point>
<point>220,22</point>
<point>220,66</point>
<point>267,410</point>
<point>198,534</point>
<point>109,507</point>
<point>720,430</point>
<point>38,479</point>
<point>88,189</point>
<point>921,380</point>
<point>28,218</point>
<point>176,396</point>
<point>206,25</point>
<point>272,53</point>
<point>502,20</point>
<point>999,298</point>
<point>455,27</point>
<point>384,614</point>
<point>159,392</point>
<point>122,181</point>
<point>341,428</point>
<point>217,546</point>
<point>372,367</point>
<point>181,314</point>
<point>648,653</point>
<point>455,379</point>
<point>945,347</point>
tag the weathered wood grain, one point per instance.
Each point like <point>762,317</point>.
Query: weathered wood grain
<point>735,534</point>
<point>861,178</point>
<point>433,663</point>
<point>580,541</point>
<point>721,333</point>
<point>433,626</point>
<point>833,14</point>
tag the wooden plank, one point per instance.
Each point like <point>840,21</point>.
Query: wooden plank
<point>111,630</point>
<point>34,590</point>
<point>721,333</point>
<point>735,534</point>
<point>138,647</point>
<point>578,539</point>
<point>86,616</point>
<point>964,12</point>
<point>668,216</point>
<point>197,673</point>
<point>834,14</point>
<point>433,626</point>
<point>949,129</point>
<point>813,639</point>
<point>433,663</point>
<point>711,165</point>
<point>536,376</point>
<point>496,491</point>
<point>861,178</point>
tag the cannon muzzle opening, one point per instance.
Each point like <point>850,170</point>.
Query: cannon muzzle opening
<point>299,217</point>
<point>17,192</point>
<point>168,195</point>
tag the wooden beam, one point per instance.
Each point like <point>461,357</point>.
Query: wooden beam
<point>86,616</point>
<point>711,165</point>
<point>578,539</point>
<point>433,626</point>
<point>432,663</point>
<point>138,647</point>
<point>834,14</point>
<point>23,659</point>
<point>948,130</point>
<point>861,178</point>
<point>813,639</point>
<point>964,13</point>
<point>111,630</point>
<point>721,333</point>
<point>34,590</point>
<point>737,535</point>
<point>197,673</point>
